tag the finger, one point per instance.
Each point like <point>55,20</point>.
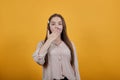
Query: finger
<point>58,29</point>
<point>57,32</point>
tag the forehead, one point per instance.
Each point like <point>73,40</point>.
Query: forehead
<point>56,19</point>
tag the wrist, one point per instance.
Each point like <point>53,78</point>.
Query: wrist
<point>49,40</point>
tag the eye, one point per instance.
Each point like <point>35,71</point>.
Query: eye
<point>60,23</point>
<point>52,24</point>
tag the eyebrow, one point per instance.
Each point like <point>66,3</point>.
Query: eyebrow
<point>54,22</point>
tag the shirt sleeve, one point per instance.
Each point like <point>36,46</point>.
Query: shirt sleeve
<point>39,59</point>
<point>76,66</point>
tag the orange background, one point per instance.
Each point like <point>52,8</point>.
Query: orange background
<point>93,26</point>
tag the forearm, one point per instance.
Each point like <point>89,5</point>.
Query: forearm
<point>45,47</point>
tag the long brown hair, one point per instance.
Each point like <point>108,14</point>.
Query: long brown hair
<point>64,37</point>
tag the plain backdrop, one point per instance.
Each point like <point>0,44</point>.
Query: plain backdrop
<point>93,26</point>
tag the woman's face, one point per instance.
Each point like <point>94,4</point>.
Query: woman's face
<point>56,24</point>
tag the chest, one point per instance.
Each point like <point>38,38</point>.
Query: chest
<point>62,50</point>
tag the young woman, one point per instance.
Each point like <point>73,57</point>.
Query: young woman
<point>57,54</point>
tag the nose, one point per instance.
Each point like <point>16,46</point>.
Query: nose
<point>56,27</point>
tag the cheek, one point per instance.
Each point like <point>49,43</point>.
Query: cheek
<point>52,28</point>
<point>61,28</point>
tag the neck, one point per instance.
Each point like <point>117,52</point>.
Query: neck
<point>58,39</point>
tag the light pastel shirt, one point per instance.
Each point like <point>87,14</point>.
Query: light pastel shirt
<point>58,62</point>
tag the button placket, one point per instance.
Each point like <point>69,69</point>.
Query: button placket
<point>60,61</point>
<point>59,58</point>
<point>61,68</point>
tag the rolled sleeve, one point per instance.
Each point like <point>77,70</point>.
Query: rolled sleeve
<point>40,59</point>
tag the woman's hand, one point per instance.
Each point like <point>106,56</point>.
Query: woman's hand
<point>53,35</point>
